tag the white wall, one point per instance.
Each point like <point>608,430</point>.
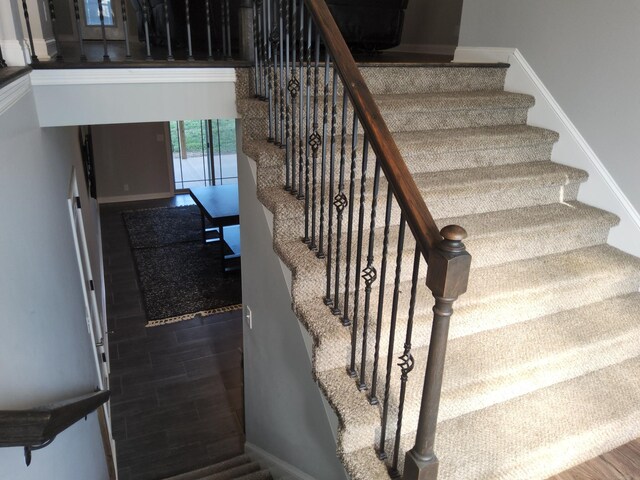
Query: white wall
<point>135,155</point>
<point>45,350</point>
<point>586,54</point>
<point>285,414</point>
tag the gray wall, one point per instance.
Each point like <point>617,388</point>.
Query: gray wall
<point>433,24</point>
<point>586,54</point>
<point>285,415</point>
<point>135,154</point>
<point>45,350</point>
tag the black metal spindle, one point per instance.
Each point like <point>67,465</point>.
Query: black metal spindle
<point>145,17</point>
<point>76,11</point>
<point>307,158</point>
<point>287,96</point>
<point>125,24</point>
<point>323,180</point>
<point>274,41</point>
<point>392,333</point>
<point>352,191</point>
<point>105,56</point>
<point>332,157</point>
<point>223,28</point>
<point>263,76</point>
<point>356,294</point>
<point>373,399</point>
<point>209,43</point>
<point>227,23</point>
<point>54,30</point>
<point>269,70</point>
<point>168,28</point>
<point>25,11</point>
<point>315,141</point>
<point>294,89</point>
<point>188,20</point>
<point>281,77</point>
<point>340,203</point>
<point>301,141</point>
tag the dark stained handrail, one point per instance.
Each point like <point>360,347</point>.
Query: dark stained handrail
<point>406,191</point>
<point>38,426</point>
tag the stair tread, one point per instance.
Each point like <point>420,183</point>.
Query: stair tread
<point>580,418</point>
<point>259,475</point>
<point>215,468</point>
<point>449,101</point>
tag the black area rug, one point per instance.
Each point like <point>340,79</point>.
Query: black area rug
<point>180,277</point>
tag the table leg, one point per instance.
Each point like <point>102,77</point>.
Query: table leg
<point>204,228</point>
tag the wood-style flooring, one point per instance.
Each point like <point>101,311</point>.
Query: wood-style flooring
<point>623,463</point>
<point>177,390</point>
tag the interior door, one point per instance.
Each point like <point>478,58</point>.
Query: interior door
<point>112,13</point>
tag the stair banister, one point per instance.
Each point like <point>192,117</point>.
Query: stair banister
<point>37,427</point>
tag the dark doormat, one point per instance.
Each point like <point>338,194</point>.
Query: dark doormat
<point>179,276</point>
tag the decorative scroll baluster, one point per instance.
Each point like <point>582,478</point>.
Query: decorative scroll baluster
<point>125,24</point>
<point>352,191</point>
<point>294,88</point>
<point>315,141</point>
<point>188,19</point>
<point>274,40</point>
<point>369,274</point>
<point>168,27</point>
<point>447,278</point>
<point>145,16</point>
<point>287,96</point>
<point>332,161</point>
<point>406,361</point>
<point>209,43</point>
<point>54,30</point>
<point>76,11</point>
<point>356,294</point>
<point>269,69</point>
<point>373,399</point>
<point>227,29</point>
<point>340,203</point>
<point>25,11</point>
<point>307,130</point>
<point>282,140</point>
<point>261,50</point>
<point>105,56</point>
<point>301,141</point>
<point>323,171</point>
<point>392,333</point>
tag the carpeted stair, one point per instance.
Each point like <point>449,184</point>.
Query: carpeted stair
<point>544,352</point>
<point>236,468</point>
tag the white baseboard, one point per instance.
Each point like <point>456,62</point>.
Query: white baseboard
<point>280,470</point>
<point>134,198</point>
<point>601,190</point>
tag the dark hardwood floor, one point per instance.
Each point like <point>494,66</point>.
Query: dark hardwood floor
<point>623,463</point>
<point>177,395</point>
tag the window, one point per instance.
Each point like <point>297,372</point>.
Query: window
<point>92,12</point>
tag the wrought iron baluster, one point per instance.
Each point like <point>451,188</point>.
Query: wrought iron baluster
<point>168,27</point>
<point>54,31</point>
<point>207,5</point>
<point>294,89</point>
<point>270,94</point>
<point>282,140</point>
<point>105,56</point>
<point>307,135</point>
<point>145,16</point>
<point>274,45</point>
<point>352,191</point>
<point>315,140</point>
<point>76,11</point>
<point>227,24</point>
<point>356,294</point>
<point>301,141</point>
<point>406,361</point>
<point>125,24</point>
<point>327,298</point>
<point>369,274</point>
<point>223,28</point>
<point>392,333</point>
<point>261,35</point>
<point>25,12</point>
<point>323,171</point>
<point>373,399</point>
<point>188,19</point>
<point>340,202</point>
<point>287,96</point>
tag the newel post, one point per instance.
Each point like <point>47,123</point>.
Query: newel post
<point>447,278</point>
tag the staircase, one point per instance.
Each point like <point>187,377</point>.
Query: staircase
<point>544,348</point>
<point>236,468</point>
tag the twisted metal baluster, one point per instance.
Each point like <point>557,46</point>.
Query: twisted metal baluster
<point>25,12</point>
<point>392,333</point>
<point>125,24</point>
<point>168,27</point>
<point>369,274</point>
<point>283,69</point>
<point>340,202</point>
<point>265,66</point>
<point>76,11</point>
<point>352,191</point>
<point>327,299</point>
<point>356,294</point>
<point>315,141</point>
<point>373,399</point>
<point>307,239</point>
<point>54,30</point>
<point>269,69</point>
<point>294,88</point>
<point>145,16</point>
<point>105,56</point>
<point>188,19</point>
<point>325,114</point>
<point>301,141</point>
<point>275,47</point>
<point>287,97</point>
<point>209,42</point>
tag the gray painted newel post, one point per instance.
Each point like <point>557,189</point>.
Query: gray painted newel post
<point>447,278</point>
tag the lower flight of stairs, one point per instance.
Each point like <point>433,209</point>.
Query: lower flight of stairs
<point>236,468</point>
<point>544,352</point>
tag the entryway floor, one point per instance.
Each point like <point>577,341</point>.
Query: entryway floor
<point>177,401</point>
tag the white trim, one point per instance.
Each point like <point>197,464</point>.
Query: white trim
<point>601,190</point>
<point>279,469</point>
<point>433,49</point>
<point>10,94</point>
<point>104,76</point>
<point>134,198</point>
<point>14,53</point>
<point>45,48</point>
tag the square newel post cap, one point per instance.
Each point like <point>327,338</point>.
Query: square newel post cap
<point>449,264</point>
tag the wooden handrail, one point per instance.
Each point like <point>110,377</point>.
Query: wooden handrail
<point>405,189</point>
<point>39,426</point>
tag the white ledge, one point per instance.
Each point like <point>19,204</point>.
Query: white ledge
<point>102,76</point>
<point>14,91</point>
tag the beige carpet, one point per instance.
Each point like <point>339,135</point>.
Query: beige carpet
<point>544,351</point>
